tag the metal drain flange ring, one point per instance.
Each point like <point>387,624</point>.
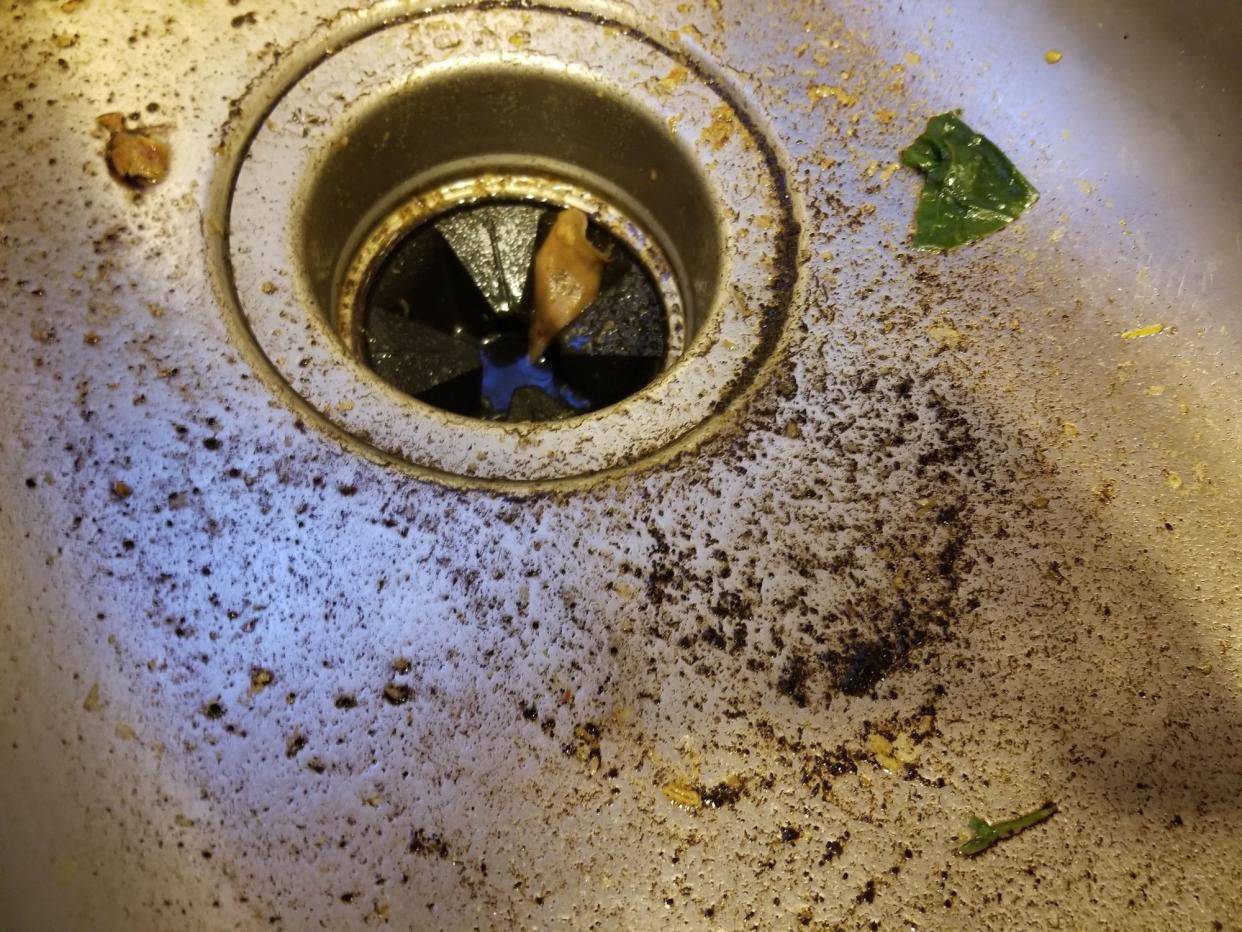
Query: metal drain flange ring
<point>333,145</point>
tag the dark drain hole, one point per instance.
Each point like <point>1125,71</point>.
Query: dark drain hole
<point>446,316</point>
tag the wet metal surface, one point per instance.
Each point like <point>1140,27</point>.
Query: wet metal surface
<point>971,545</point>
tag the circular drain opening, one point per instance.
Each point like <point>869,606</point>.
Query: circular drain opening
<point>439,299</point>
<point>368,147</point>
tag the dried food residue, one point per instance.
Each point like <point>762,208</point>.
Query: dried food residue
<point>137,157</point>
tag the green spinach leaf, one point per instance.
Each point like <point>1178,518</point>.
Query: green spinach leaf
<point>971,189</point>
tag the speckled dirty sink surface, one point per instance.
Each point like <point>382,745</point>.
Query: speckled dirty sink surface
<point>968,550</point>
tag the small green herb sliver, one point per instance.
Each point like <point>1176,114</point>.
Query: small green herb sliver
<point>971,190</point>
<point>986,835</point>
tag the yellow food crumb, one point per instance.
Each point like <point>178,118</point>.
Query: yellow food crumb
<point>520,39</point>
<point>720,130</point>
<point>946,335</point>
<point>674,79</point>
<point>1085,186</point>
<point>894,756</point>
<point>1173,479</point>
<point>260,679</point>
<point>1052,56</point>
<point>125,733</point>
<point>344,406</point>
<point>1069,428</point>
<point>1155,390</point>
<point>818,92</point>
<point>884,116</point>
<point>681,793</point>
<point>912,58</point>
<point>1149,330</point>
<point>92,701</point>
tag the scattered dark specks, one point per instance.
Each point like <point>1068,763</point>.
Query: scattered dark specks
<point>792,681</point>
<point>725,793</point>
<point>397,693</point>
<point>121,490</point>
<point>295,744</point>
<point>346,701</point>
<point>833,849</point>
<point>425,843</point>
<point>352,895</point>
<point>868,893</point>
<point>402,666</point>
<point>347,490</point>
<point>790,834</point>
<point>31,483</point>
<point>214,710</point>
<point>91,338</point>
<point>317,765</point>
<point>245,19</point>
<point>212,443</point>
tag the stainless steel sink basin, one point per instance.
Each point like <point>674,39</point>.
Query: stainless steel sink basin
<point>904,538</point>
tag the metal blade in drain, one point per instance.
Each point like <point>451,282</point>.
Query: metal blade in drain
<point>496,245</point>
<point>414,357</point>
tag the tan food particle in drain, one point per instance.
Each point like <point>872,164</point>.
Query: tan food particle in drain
<point>134,156</point>
<point>568,269</point>
<point>1052,56</point>
<point>1173,479</point>
<point>125,733</point>
<point>121,489</point>
<point>92,701</point>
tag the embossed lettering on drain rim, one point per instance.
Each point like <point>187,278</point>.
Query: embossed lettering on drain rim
<point>315,119</point>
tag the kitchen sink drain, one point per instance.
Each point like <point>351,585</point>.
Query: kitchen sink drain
<point>385,194</point>
<point>439,299</point>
